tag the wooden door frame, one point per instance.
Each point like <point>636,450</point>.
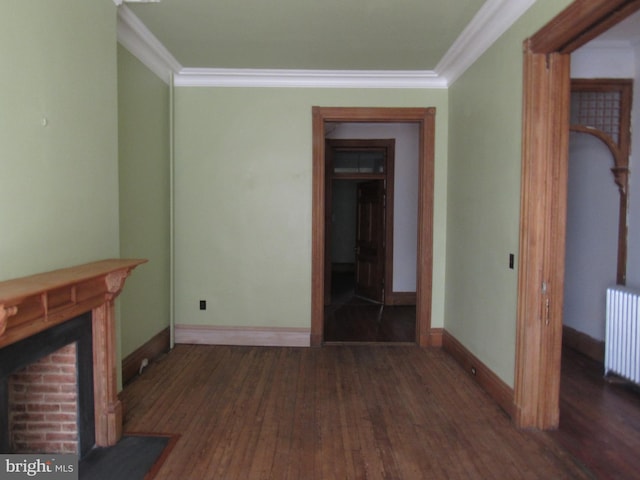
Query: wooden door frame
<point>545,147</point>
<point>388,177</point>
<point>425,118</point>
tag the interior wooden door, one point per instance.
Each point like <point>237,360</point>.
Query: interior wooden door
<point>370,254</point>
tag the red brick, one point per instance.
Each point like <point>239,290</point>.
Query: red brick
<point>43,388</point>
<point>61,436</point>
<point>44,446</point>
<point>20,398</point>
<point>28,436</point>
<point>25,378</point>
<point>69,427</point>
<point>43,404</point>
<point>69,447</point>
<point>58,378</point>
<point>60,397</point>
<point>17,387</point>
<point>63,357</point>
<point>17,407</point>
<point>28,417</point>
<point>69,407</point>
<point>44,368</point>
<point>68,369</point>
<point>70,348</point>
<point>43,407</point>
<point>68,388</point>
<point>60,417</point>
<point>43,427</point>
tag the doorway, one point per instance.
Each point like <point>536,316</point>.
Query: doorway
<point>545,141</point>
<point>359,201</point>
<point>597,199</point>
<point>424,118</point>
<point>359,232</point>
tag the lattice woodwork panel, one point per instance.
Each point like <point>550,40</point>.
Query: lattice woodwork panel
<point>599,110</point>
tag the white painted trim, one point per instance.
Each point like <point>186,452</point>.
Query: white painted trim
<point>223,77</point>
<point>492,20</point>
<point>247,336</point>
<point>136,37</point>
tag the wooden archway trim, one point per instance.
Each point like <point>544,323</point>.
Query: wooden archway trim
<point>620,171</point>
<point>618,159</point>
<point>619,150</point>
<point>425,118</point>
<point>543,203</point>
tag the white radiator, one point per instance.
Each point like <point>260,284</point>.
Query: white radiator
<point>622,340</point>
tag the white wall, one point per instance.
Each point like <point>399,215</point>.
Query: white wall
<point>593,201</point>
<point>633,247</point>
<point>592,234</point>
<point>405,212</point>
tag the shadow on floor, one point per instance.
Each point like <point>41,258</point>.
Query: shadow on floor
<point>353,319</point>
<point>599,420</point>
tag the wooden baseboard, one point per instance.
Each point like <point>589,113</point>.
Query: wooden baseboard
<point>249,336</point>
<point>400,298</point>
<point>151,350</point>
<point>435,337</point>
<point>583,343</point>
<point>486,378</point>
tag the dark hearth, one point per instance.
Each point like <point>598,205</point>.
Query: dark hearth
<point>16,356</point>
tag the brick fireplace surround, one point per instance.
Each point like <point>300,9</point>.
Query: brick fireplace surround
<point>35,304</point>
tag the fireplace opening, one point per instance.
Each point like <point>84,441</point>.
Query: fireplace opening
<point>46,389</point>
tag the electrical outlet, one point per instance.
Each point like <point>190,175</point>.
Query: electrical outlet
<point>203,304</point>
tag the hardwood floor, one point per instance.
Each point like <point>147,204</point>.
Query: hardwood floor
<point>336,412</point>
<point>362,321</point>
<point>599,421</point>
<point>353,319</point>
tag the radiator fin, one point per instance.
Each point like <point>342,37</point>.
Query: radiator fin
<point>622,339</point>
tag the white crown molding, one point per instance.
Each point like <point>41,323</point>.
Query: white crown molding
<point>490,22</point>
<point>223,77</point>
<point>136,37</point>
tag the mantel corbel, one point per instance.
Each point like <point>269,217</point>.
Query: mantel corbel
<point>5,313</point>
<point>115,282</point>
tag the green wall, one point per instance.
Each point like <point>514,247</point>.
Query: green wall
<point>483,214</point>
<point>243,200</point>
<point>143,126</point>
<point>59,194</point>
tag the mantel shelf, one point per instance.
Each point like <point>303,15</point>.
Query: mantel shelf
<point>30,305</point>
<point>12,291</point>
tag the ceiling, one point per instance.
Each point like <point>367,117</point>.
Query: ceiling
<point>308,34</point>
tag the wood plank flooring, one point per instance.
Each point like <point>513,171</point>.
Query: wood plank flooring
<point>599,421</point>
<point>361,321</point>
<point>336,412</point>
<point>353,319</point>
